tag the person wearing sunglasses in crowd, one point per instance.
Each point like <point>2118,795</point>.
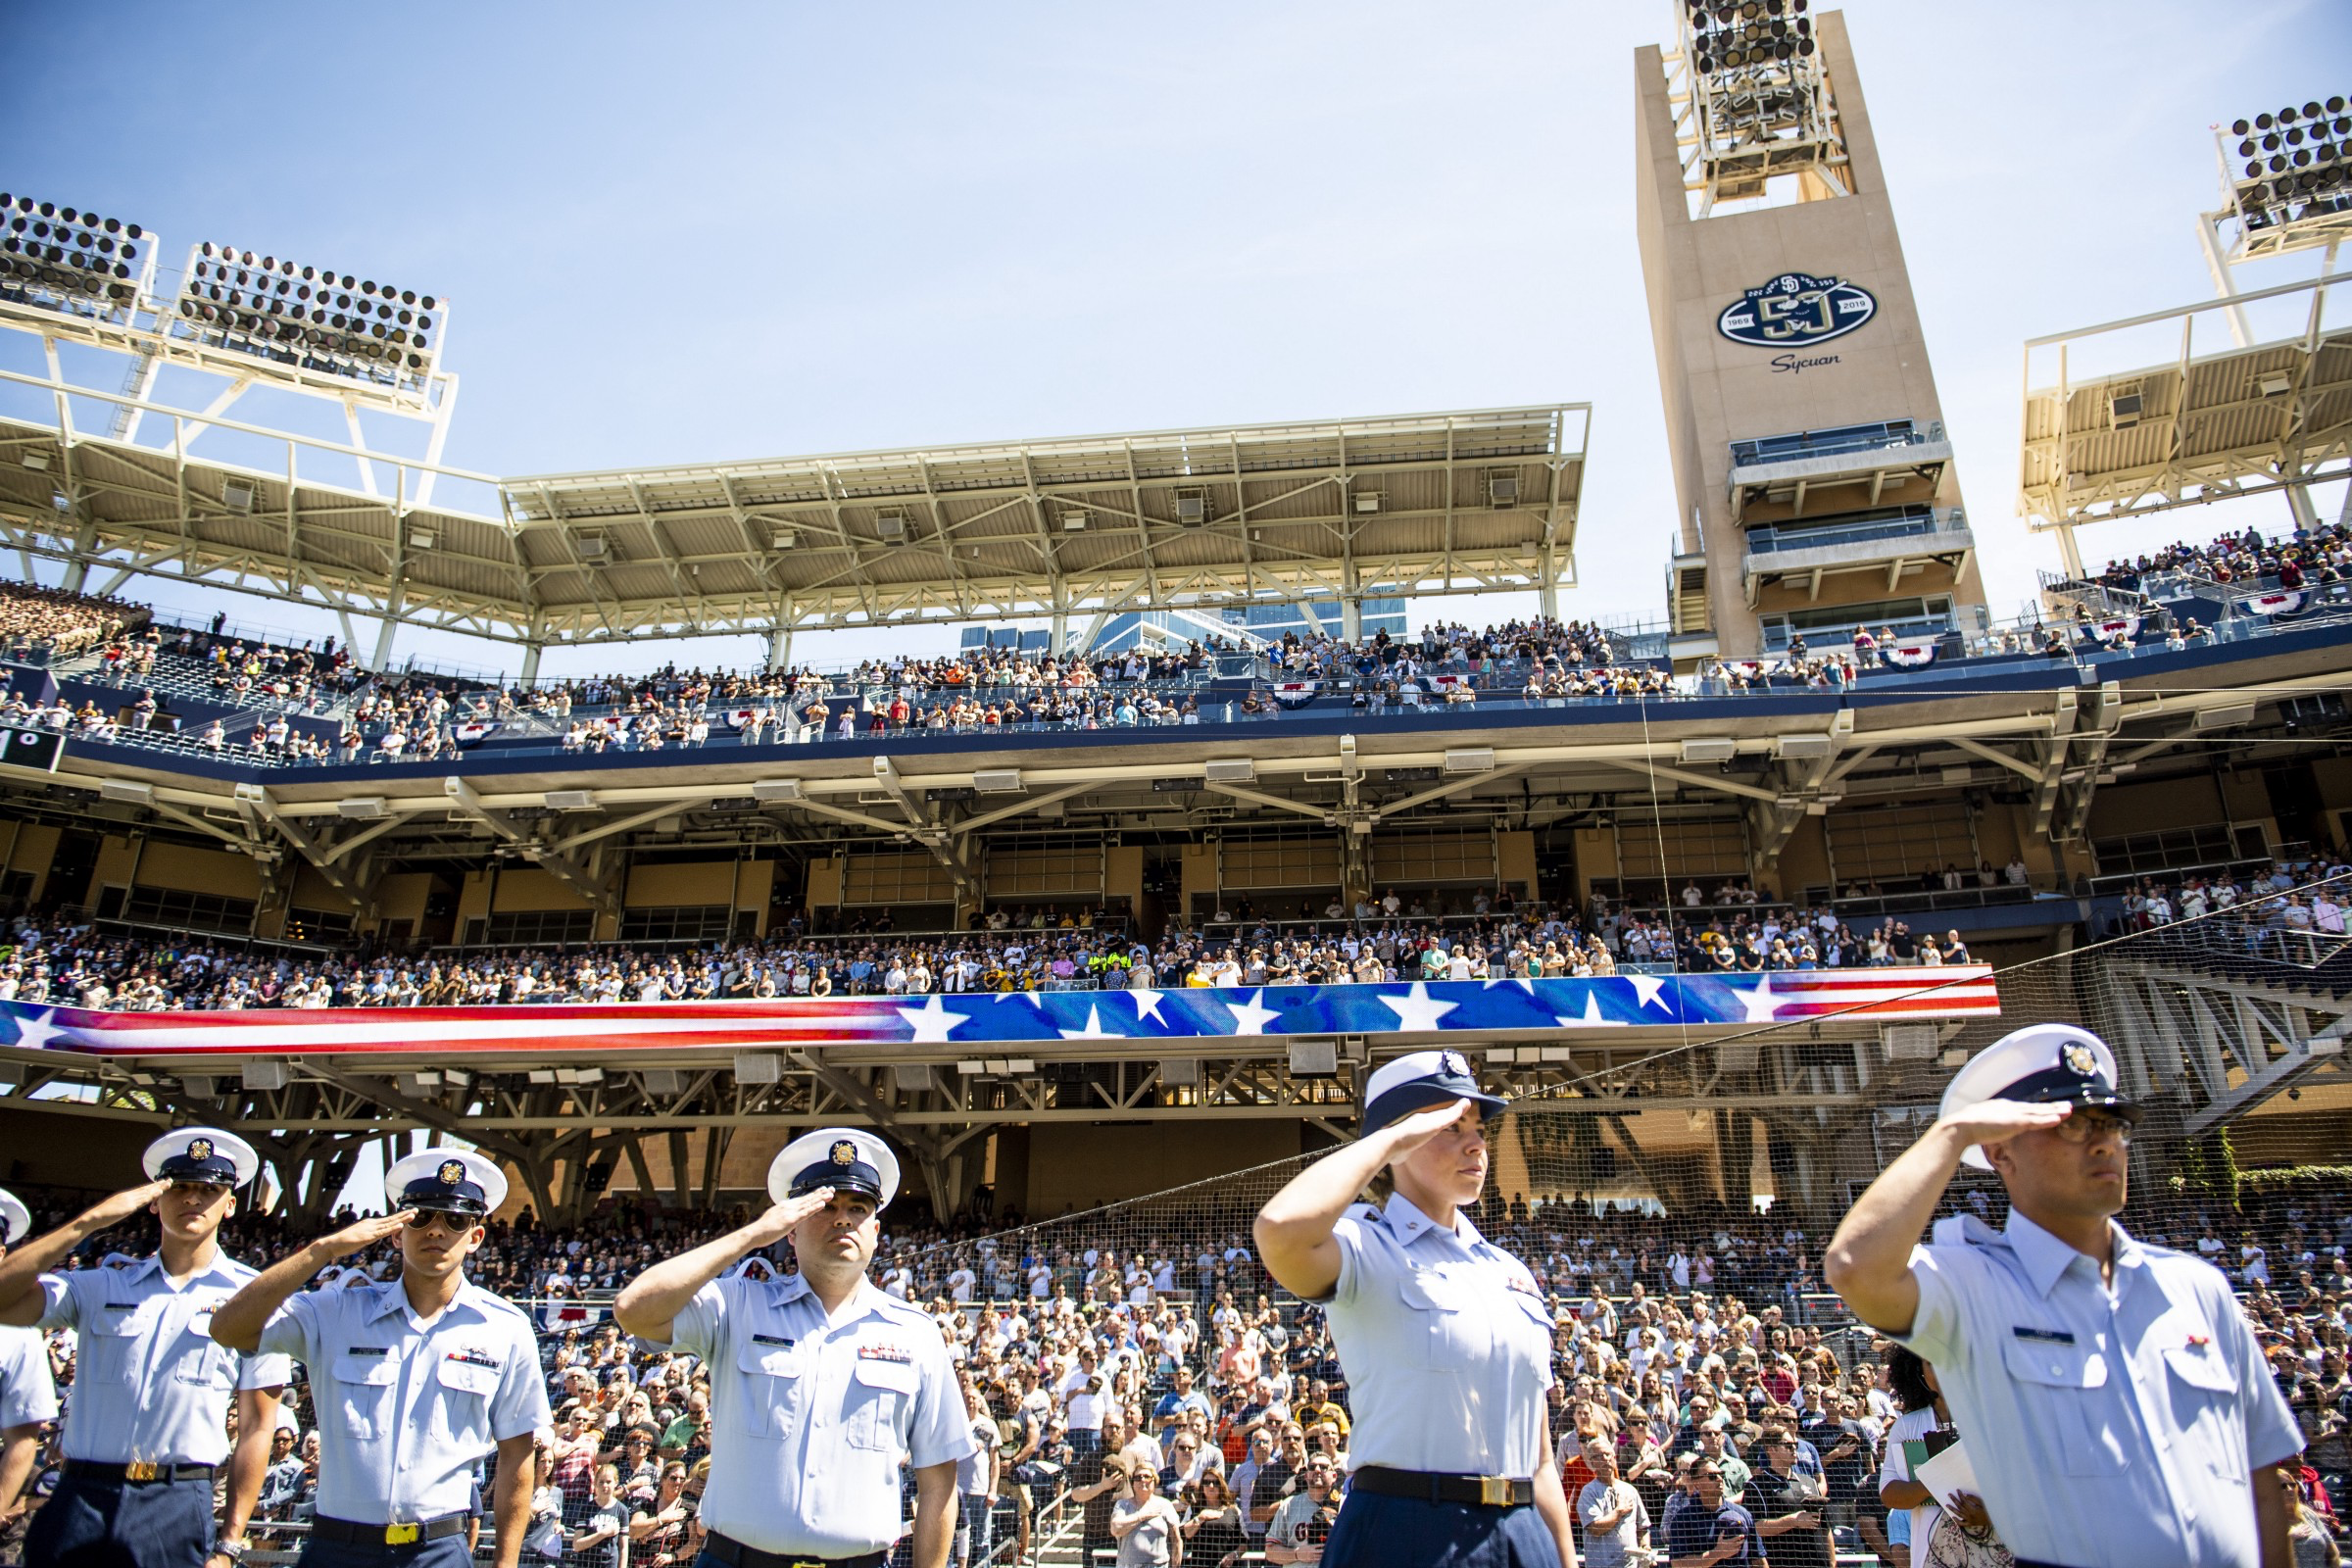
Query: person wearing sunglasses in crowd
<point>416,1380</point>
<point>146,1432</point>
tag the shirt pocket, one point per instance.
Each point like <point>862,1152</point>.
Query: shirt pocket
<point>364,1389</point>
<point>1443,1332</point>
<point>2205,1407</point>
<point>2061,1395</point>
<point>461,1409</point>
<point>111,1347</point>
<point>770,1381</point>
<point>197,1359</point>
<point>880,1392</point>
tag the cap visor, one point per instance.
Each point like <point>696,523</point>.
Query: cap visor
<point>1407,1100</point>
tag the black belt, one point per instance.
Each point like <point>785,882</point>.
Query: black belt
<point>141,1470</point>
<point>1489,1491</point>
<point>727,1549</point>
<point>351,1533</point>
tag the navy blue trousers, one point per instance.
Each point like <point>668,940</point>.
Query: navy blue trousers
<point>447,1552</point>
<point>1381,1532</point>
<point>90,1523</point>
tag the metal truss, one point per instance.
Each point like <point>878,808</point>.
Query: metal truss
<point>1460,502</point>
<point>2252,418</point>
<point>1737,128</point>
<point>2223,1043</point>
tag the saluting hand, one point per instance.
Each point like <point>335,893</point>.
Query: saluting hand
<point>1419,1128</point>
<point>125,1204</point>
<point>779,1221</point>
<point>1996,1119</point>
<point>365,1233</point>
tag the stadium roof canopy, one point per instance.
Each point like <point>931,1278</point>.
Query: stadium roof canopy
<point>1416,503</point>
<point>2197,426</point>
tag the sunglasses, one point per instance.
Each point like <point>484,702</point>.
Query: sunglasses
<point>419,1219</point>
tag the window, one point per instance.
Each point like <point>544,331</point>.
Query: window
<point>1655,857</point>
<point>1932,612</point>
<point>1420,859</point>
<point>2164,850</point>
<point>896,877</point>
<point>320,925</point>
<point>1883,843</point>
<point>692,922</point>
<point>1279,864</point>
<point>535,927</point>
<point>187,911</point>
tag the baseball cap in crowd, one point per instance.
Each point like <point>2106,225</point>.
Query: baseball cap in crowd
<point>2044,1064</point>
<point>1419,1080</point>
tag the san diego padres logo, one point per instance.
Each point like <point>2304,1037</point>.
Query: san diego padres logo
<point>1796,307</point>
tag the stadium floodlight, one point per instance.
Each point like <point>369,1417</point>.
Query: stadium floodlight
<point>237,495</point>
<point>364,808</point>
<point>313,320</point>
<point>73,261</point>
<point>129,791</point>
<point>2287,176</point>
<point>776,789</point>
<point>1760,102</point>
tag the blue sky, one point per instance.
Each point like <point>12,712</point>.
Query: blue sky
<point>717,232</point>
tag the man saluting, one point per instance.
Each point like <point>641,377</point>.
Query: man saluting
<point>414,1379</point>
<point>820,1383</point>
<point>2115,1405</point>
<point>145,1432</point>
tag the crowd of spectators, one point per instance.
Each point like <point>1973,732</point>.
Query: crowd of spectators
<point>57,622</point>
<point>1132,1358</point>
<point>2309,558</point>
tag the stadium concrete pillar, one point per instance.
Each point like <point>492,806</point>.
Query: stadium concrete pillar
<point>1352,619</point>
<point>530,662</point>
<point>779,645</point>
<point>383,646</point>
<point>2299,507</point>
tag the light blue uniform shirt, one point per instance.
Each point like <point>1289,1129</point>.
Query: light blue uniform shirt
<point>406,1408</point>
<point>811,1418</point>
<point>27,1392</point>
<point>2107,1427</point>
<point>1445,1342</point>
<point>150,1385</point>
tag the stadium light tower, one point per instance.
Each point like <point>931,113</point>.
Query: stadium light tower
<point>310,320</point>
<point>1751,101</point>
<point>73,261</point>
<point>2286,187</point>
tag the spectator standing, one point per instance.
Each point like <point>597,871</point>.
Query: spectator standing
<point>1611,1513</point>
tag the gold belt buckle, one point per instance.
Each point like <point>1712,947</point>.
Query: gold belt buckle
<point>141,1470</point>
<point>1494,1490</point>
<point>402,1535</point>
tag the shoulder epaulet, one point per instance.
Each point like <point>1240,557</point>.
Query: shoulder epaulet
<point>906,1308</point>
<point>1369,1213</point>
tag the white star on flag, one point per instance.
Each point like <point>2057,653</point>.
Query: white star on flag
<point>1648,987</point>
<point>1094,1029</point>
<point>1760,1003</point>
<point>1416,1009</point>
<point>35,1031</point>
<point>1519,980</point>
<point>932,1022</point>
<point>1592,1017</point>
<point>1147,1005</point>
<point>1248,1017</point>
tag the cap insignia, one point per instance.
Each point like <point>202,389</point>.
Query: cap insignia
<point>845,1152</point>
<point>2079,1059</point>
<point>452,1172</point>
<point>1451,1061</point>
<point>200,1149</point>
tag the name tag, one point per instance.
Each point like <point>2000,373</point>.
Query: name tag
<point>884,1352</point>
<point>776,1340</point>
<point>2043,1336</point>
<point>365,1350</point>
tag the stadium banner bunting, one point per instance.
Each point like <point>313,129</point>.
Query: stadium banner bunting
<point>474,731</point>
<point>1912,656</point>
<point>2282,602</point>
<point>2125,626</point>
<point>1469,1009</point>
<point>1297,693</point>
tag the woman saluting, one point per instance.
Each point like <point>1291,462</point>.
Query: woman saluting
<point>1445,1342</point>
